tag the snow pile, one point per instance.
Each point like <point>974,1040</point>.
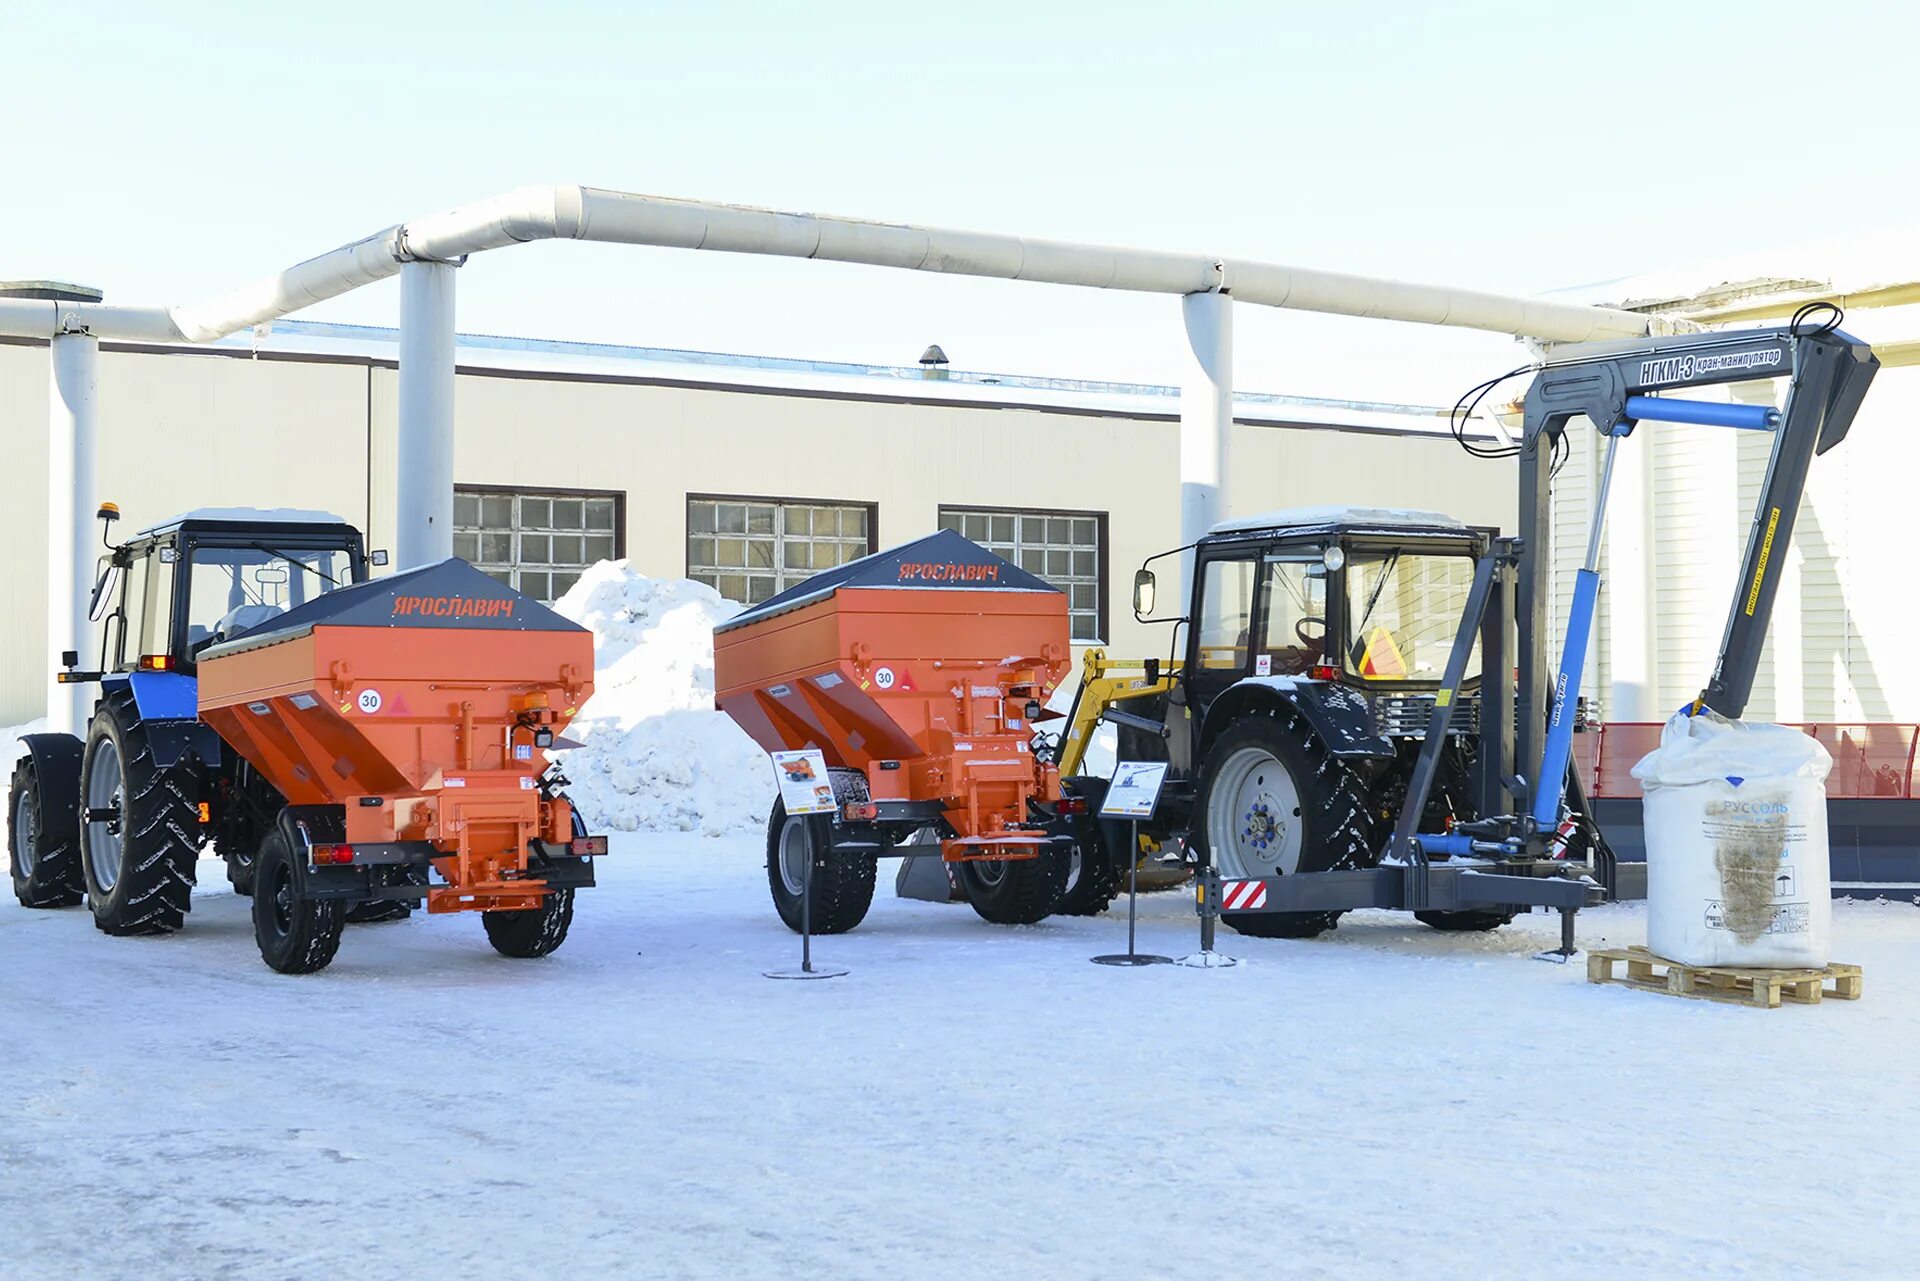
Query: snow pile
<point>657,757</point>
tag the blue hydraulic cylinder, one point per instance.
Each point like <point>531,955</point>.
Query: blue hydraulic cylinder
<point>1449,843</point>
<point>1658,409</point>
<point>1550,784</point>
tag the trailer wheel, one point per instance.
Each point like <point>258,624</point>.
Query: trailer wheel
<point>296,935</point>
<point>1015,891</point>
<point>43,841</point>
<point>531,932</point>
<point>1466,922</point>
<point>140,832</point>
<point>1273,801</point>
<point>842,883</point>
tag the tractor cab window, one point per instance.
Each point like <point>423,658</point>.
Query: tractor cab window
<point>1294,638</point>
<point>1223,631</point>
<point>233,589</point>
<point>1403,609</point>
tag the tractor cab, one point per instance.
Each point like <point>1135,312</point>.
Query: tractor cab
<point>1363,598</point>
<point>205,576</point>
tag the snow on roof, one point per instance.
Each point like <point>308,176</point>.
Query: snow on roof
<point>1336,514</point>
<point>764,373</point>
<point>252,516</point>
<point>1852,263</point>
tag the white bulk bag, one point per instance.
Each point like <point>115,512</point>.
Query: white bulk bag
<point>1736,828</point>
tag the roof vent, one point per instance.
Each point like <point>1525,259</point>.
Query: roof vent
<point>933,362</point>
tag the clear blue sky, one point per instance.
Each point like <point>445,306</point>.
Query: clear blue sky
<point>169,152</point>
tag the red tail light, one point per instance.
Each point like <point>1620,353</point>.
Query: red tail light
<point>1070,805</point>
<point>1324,672</point>
<point>585,845</point>
<point>860,811</point>
<point>327,855</point>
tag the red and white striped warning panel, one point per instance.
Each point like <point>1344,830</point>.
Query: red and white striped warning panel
<point>1242,896</point>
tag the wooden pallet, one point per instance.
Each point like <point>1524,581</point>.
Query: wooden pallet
<point>1763,988</point>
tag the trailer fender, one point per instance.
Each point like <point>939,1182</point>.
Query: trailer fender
<point>1338,715</point>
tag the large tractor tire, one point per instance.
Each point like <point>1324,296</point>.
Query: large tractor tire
<point>296,935</point>
<point>842,883</point>
<point>1015,891</point>
<point>1474,921</point>
<point>43,840</point>
<point>1094,876</point>
<point>531,932</point>
<point>139,828</point>
<point>1273,801</point>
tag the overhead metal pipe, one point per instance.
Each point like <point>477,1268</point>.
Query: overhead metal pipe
<point>570,212</point>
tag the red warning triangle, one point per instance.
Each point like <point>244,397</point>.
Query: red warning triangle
<point>398,707</point>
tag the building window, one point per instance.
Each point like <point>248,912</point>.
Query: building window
<point>749,549</point>
<point>1065,548</point>
<point>536,541</point>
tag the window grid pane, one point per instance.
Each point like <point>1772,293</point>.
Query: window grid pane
<point>1064,550</point>
<point>751,549</point>
<point>535,543</point>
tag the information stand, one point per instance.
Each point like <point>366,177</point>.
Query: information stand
<point>1132,795</point>
<point>805,789</point>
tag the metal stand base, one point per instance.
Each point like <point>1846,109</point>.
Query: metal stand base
<point>803,972</point>
<point>1208,960</point>
<point>1566,951</point>
<point>1131,957</point>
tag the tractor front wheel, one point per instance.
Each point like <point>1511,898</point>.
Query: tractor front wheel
<point>1474,921</point>
<point>296,934</point>
<point>43,843</point>
<point>531,932</point>
<point>842,883</point>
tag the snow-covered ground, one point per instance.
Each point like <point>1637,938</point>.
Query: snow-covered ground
<point>970,1101</point>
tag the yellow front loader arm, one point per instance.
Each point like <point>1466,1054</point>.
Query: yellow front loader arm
<point>1103,682</point>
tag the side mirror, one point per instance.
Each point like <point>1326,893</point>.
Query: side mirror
<point>1143,587</point>
<point>379,557</point>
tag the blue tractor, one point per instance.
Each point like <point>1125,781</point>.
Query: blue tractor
<point>118,818</point>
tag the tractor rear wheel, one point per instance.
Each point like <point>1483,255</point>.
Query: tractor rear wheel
<point>296,934</point>
<point>842,883</point>
<point>43,842</point>
<point>1472,921</point>
<point>531,932</point>
<point>1015,891</point>
<point>1273,801</point>
<point>139,829</point>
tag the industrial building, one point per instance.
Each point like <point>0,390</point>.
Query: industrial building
<point>743,472</point>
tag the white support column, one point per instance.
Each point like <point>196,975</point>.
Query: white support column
<point>423,476</point>
<point>1206,421</point>
<point>72,434</point>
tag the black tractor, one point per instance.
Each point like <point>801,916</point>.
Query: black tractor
<point>1293,709</point>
